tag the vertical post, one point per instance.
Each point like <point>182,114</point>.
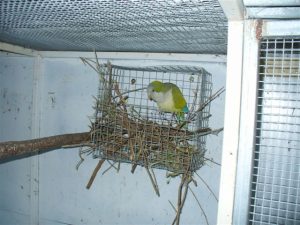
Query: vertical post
<point>252,34</point>
<point>232,121</point>
<point>35,126</point>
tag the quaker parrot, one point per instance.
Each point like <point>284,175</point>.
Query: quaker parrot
<point>168,98</point>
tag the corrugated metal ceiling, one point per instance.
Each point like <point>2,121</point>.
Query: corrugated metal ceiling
<point>195,26</point>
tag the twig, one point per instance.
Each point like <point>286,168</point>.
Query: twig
<point>155,186</point>
<point>95,173</point>
<point>141,149</point>
<point>211,191</point>
<point>181,198</point>
<point>119,166</point>
<point>112,165</point>
<point>199,205</point>
<point>204,131</point>
<point>82,151</point>
<point>81,159</point>
<point>192,116</point>
<point>212,161</point>
<point>211,98</point>
<point>110,81</point>
<point>85,61</point>
<point>97,62</point>
<point>172,206</point>
<point>133,167</point>
<point>154,177</point>
<point>126,92</point>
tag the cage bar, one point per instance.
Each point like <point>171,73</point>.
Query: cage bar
<point>128,127</point>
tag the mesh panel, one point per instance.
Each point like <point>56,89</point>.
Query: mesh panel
<point>275,190</point>
<point>137,132</point>
<point>112,25</point>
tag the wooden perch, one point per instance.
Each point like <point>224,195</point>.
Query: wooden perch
<point>12,149</point>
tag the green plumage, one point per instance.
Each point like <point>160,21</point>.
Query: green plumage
<point>168,97</point>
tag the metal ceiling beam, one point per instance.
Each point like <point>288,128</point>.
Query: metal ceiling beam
<point>17,49</point>
<point>273,12</point>
<point>209,58</point>
<point>268,3</point>
<point>233,9</point>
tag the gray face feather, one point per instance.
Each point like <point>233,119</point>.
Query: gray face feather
<point>164,100</point>
<point>150,92</point>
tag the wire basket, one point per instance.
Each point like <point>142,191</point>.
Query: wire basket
<point>128,127</point>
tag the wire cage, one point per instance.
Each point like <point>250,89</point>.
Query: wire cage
<point>276,167</point>
<point>128,127</point>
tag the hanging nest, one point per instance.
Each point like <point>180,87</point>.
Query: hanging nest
<point>127,128</point>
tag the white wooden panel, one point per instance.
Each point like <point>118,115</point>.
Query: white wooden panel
<point>247,123</point>
<point>231,122</point>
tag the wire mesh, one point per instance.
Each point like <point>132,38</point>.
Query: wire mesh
<point>128,127</point>
<point>115,25</point>
<point>275,188</point>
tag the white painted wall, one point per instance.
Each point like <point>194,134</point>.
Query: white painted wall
<point>47,189</point>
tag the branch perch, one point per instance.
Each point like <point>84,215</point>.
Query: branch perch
<point>12,149</point>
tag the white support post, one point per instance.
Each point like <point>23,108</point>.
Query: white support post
<point>233,9</point>
<point>252,29</point>
<point>232,122</point>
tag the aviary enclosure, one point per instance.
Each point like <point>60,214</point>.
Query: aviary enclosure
<point>81,141</point>
<point>127,128</point>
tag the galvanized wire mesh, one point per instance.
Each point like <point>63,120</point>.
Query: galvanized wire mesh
<point>128,127</point>
<point>275,188</point>
<point>110,25</point>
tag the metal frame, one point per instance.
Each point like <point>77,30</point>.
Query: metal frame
<point>240,113</point>
<point>247,122</point>
<point>231,122</point>
<point>114,55</point>
<point>234,10</point>
<point>273,12</point>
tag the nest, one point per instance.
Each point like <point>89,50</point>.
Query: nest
<point>125,128</point>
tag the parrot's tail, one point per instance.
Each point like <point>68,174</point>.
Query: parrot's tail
<point>185,109</point>
<point>180,116</point>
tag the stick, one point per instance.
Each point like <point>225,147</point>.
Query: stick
<point>155,186</point>
<point>199,205</point>
<point>212,161</point>
<point>172,206</point>
<point>112,165</point>
<point>126,92</point>
<point>207,186</point>
<point>94,174</point>
<point>211,98</point>
<point>181,198</point>
<point>12,149</point>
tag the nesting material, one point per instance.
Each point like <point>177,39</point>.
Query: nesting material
<point>128,127</point>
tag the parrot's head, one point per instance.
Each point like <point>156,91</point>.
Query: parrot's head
<point>153,90</point>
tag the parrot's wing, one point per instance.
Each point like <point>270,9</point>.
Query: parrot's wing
<point>179,101</point>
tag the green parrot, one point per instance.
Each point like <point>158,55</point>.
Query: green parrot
<point>168,98</point>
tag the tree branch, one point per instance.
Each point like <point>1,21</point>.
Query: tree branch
<point>12,149</point>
